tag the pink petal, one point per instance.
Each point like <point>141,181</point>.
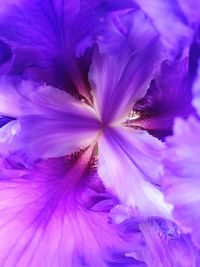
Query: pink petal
<point>54,215</point>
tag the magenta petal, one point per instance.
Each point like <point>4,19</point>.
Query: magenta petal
<point>130,166</point>
<point>122,66</point>
<point>181,182</point>
<point>48,218</point>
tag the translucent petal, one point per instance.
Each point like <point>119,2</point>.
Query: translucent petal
<point>181,181</point>
<point>167,15</point>
<point>50,123</point>
<point>130,166</point>
<point>122,66</point>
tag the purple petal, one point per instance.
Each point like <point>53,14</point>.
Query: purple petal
<point>167,15</point>
<point>191,9</point>
<point>30,98</point>
<point>50,123</point>
<point>166,246</point>
<point>196,93</point>
<point>168,97</point>
<point>48,218</point>
<point>122,65</point>
<point>4,120</point>
<point>194,55</point>
<point>130,166</point>
<point>46,38</point>
<point>6,57</point>
<point>181,181</point>
<point>49,38</point>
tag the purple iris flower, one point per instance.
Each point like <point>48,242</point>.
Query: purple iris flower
<point>86,87</point>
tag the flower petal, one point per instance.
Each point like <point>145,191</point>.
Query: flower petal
<point>50,39</point>
<point>130,166</point>
<point>122,66</point>
<point>33,138</point>
<point>30,98</point>
<point>4,120</point>
<point>6,57</point>
<point>166,246</point>
<point>181,181</point>
<point>168,97</point>
<point>50,123</point>
<point>196,93</point>
<point>46,38</point>
<point>48,218</point>
<point>167,15</point>
<point>191,9</point>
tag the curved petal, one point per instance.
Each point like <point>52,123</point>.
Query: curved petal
<point>166,246</point>
<point>4,120</point>
<point>58,216</point>
<point>50,123</point>
<point>196,93</point>
<point>6,57</point>
<point>130,166</point>
<point>181,182</point>
<point>168,97</point>
<point>47,36</point>
<point>167,15</point>
<point>122,66</point>
<point>19,98</point>
<point>194,54</point>
<point>191,9</point>
<point>34,138</point>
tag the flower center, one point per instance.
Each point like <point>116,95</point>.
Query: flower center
<point>133,115</point>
